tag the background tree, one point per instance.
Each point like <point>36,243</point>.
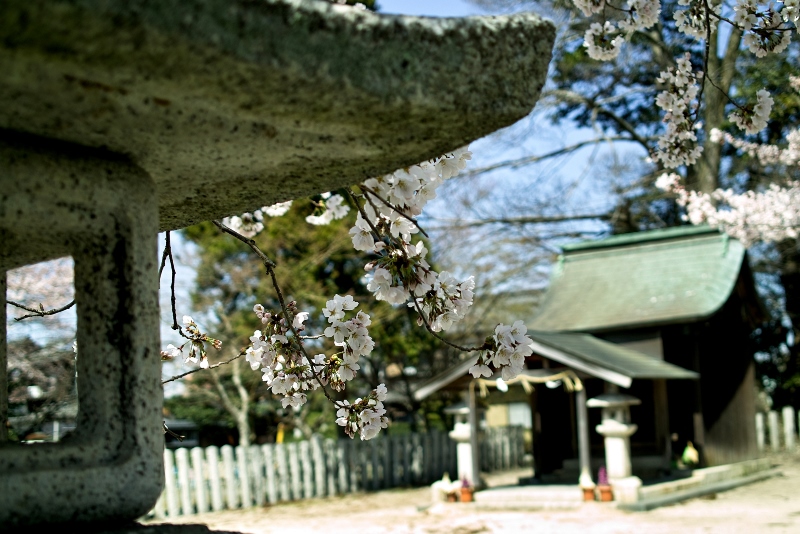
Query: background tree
<point>610,105</point>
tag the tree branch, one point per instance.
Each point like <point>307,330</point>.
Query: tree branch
<point>524,220</point>
<point>529,160</point>
<point>269,265</point>
<point>41,312</point>
<point>187,373</point>
<point>577,98</point>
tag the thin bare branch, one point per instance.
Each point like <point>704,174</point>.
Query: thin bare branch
<point>247,241</point>
<point>41,312</point>
<point>187,373</point>
<point>172,433</point>
<point>529,160</point>
<point>457,224</point>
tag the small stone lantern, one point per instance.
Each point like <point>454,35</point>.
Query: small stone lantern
<point>461,434</point>
<point>616,428</point>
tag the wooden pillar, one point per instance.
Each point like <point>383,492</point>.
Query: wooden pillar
<point>584,450</point>
<point>661,406</point>
<point>231,491</point>
<point>536,434</point>
<point>788,428</point>
<point>270,469</point>
<point>774,431</point>
<point>473,436</point>
<point>698,422</point>
<point>306,463</point>
<point>184,486</point>
<point>318,455</point>
<point>244,478</point>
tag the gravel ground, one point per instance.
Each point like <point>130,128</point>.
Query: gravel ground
<point>771,506</point>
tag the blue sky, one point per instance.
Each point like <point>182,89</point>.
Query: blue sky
<point>428,8</point>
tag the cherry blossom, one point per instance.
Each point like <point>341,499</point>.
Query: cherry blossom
<point>247,224</point>
<point>365,416</point>
<point>602,41</point>
<point>771,214</point>
<point>333,208</point>
<point>767,29</point>
<point>755,119</point>
<point>678,146</point>
<point>196,341</point>
<point>276,210</point>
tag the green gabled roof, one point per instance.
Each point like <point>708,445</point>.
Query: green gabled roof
<point>643,279</point>
<point>593,352</point>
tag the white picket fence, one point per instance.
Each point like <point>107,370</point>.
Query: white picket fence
<point>212,479</point>
<point>777,430</point>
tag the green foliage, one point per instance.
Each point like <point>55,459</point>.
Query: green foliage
<point>197,409</point>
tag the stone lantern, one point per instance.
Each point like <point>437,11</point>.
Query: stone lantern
<point>462,435</point>
<point>616,429</point>
<point>120,119</point>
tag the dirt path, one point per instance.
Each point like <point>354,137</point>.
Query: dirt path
<point>771,506</point>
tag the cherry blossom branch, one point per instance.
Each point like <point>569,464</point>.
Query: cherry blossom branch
<point>394,209</point>
<point>41,312</point>
<point>270,265</point>
<point>439,337</point>
<point>375,233</point>
<point>247,241</point>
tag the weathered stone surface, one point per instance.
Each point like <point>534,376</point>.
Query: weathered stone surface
<point>57,199</point>
<point>230,105</point>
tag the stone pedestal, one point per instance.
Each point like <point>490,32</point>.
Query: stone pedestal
<point>617,447</point>
<point>626,490</point>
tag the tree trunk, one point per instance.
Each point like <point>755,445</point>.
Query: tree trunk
<point>243,426</point>
<point>704,176</point>
<point>240,413</point>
